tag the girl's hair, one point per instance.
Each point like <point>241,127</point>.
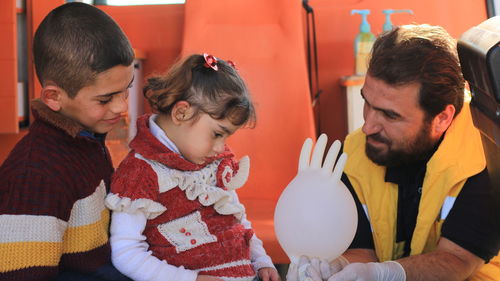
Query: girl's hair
<point>219,93</point>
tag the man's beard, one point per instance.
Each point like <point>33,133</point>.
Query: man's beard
<point>416,150</point>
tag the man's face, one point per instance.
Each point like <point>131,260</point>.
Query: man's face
<point>98,107</point>
<point>396,129</point>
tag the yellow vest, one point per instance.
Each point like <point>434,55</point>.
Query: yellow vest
<point>459,156</point>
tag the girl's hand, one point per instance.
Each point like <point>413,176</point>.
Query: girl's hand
<point>269,274</point>
<point>208,278</point>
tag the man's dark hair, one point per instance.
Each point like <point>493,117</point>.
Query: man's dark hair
<point>421,54</point>
<point>74,43</point>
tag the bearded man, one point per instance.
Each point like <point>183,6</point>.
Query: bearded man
<point>417,171</point>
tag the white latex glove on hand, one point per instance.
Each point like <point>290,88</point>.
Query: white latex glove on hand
<point>314,269</point>
<point>373,271</point>
<point>327,269</point>
<point>301,271</point>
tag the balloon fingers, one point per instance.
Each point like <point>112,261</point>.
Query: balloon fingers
<point>331,157</point>
<point>339,167</point>
<point>319,151</point>
<point>305,154</point>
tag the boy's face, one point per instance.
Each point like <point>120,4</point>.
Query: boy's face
<point>98,107</point>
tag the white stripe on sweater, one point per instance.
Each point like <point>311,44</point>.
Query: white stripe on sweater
<point>26,228</point>
<point>29,228</point>
<point>89,209</point>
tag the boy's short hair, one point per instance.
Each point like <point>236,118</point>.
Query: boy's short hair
<point>74,43</point>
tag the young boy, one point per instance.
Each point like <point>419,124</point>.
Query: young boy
<point>54,225</point>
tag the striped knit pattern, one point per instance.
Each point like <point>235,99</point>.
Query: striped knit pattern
<point>52,192</point>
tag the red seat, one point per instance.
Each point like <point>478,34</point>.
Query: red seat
<point>265,39</point>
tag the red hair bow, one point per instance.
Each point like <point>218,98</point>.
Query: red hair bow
<point>210,61</point>
<point>231,63</point>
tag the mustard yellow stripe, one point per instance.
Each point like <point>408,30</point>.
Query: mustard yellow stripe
<point>20,255</point>
<point>87,237</point>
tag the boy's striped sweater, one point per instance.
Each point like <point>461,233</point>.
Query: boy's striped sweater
<point>52,191</point>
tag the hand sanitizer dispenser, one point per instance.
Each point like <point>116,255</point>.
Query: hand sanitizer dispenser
<point>388,12</point>
<point>363,43</point>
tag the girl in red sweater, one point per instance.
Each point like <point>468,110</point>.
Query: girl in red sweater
<point>176,215</point>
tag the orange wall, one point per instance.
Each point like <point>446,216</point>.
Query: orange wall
<point>8,67</point>
<point>154,29</point>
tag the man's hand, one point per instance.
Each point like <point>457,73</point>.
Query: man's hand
<point>298,272</point>
<point>327,269</point>
<point>314,269</point>
<point>268,274</point>
<point>372,271</point>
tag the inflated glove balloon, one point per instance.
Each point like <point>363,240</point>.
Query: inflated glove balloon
<point>316,215</point>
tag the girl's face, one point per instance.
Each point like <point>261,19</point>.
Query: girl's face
<point>203,138</point>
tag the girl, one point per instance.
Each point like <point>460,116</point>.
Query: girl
<point>176,215</point>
